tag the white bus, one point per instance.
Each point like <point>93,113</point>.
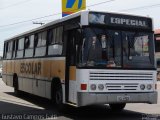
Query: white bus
<point>86,58</point>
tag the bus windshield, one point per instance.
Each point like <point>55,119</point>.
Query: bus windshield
<point>116,49</point>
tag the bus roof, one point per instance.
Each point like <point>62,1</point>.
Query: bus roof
<point>83,15</point>
<point>48,24</point>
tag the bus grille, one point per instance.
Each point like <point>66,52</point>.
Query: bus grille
<point>121,76</point>
<point>121,86</point>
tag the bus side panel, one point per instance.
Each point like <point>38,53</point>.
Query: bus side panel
<point>39,88</point>
<point>35,75</point>
<point>48,89</point>
<point>18,67</point>
<point>26,84</point>
<point>72,84</point>
<point>42,77</point>
<point>4,71</point>
<point>26,75</point>
<point>58,69</point>
<point>9,72</point>
<point>17,71</point>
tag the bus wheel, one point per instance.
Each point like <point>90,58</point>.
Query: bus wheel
<point>117,106</point>
<point>16,86</point>
<point>57,96</point>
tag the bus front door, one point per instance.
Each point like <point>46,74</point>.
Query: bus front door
<point>70,84</point>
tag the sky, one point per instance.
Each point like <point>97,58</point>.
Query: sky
<point>15,11</point>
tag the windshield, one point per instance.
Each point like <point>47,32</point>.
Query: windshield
<point>116,49</point>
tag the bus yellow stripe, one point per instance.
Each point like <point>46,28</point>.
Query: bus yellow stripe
<point>72,73</point>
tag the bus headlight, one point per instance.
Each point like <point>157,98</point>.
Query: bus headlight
<point>149,86</point>
<point>93,87</point>
<point>142,86</point>
<point>100,86</point>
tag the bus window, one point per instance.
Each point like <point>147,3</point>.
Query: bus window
<point>40,44</point>
<point>9,50</point>
<point>21,44</point>
<point>136,50</point>
<point>54,36</point>
<point>35,40</point>
<point>97,48</point>
<point>20,48</point>
<point>14,49</point>
<point>4,51</point>
<point>29,45</point>
<point>59,35</point>
<point>42,39</point>
<point>55,41</point>
<point>116,48</point>
<point>49,36</point>
<point>31,38</point>
<point>10,45</point>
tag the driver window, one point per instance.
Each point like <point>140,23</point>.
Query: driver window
<point>98,48</point>
<point>94,49</point>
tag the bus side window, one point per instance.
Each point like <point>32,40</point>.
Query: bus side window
<point>4,50</point>
<point>49,36</point>
<point>55,38</point>
<point>9,50</point>
<point>40,44</point>
<point>29,45</point>
<point>14,49</point>
<point>20,48</point>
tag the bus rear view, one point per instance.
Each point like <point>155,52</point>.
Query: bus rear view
<point>116,61</point>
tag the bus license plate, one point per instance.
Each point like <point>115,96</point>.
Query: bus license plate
<point>123,98</point>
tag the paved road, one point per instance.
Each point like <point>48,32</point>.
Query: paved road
<point>31,107</point>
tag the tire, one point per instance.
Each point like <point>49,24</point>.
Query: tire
<point>117,106</point>
<point>16,86</point>
<point>57,97</point>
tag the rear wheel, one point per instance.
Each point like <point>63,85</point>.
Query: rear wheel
<point>16,86</point>
<point>117,106</point>
<point>57,96</point>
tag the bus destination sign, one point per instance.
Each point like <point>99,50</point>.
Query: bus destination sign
<point>130,22</point>
<point>120,20</point>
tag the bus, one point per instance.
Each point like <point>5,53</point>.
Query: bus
<point>157,50</point>
<point>86,58</point>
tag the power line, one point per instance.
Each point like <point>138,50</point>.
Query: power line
<point>142,7</point>
<point>131,9</point>
<point>52,14</point>
<point>137,8</point>
<point>12,5</point>
<point>28,20</point>
<point>100,3</point>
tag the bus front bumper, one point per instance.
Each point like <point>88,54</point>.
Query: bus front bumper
<point>106,98</point>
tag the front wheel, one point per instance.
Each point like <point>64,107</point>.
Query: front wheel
<point>117,106</point>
